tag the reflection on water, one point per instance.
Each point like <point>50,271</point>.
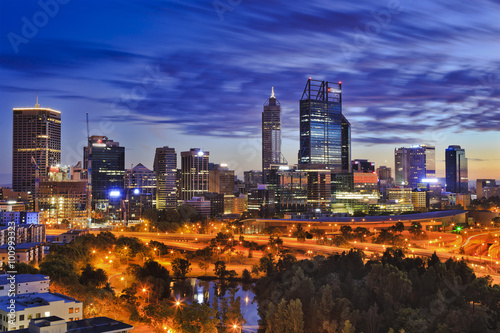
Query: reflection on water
<point>194,290</point>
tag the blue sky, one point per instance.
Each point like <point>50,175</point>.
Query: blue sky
<point>196,74</point>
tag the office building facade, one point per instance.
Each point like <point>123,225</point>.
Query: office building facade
<point>362,166</point>
<point>414,164</point>
<point>105,160</point>
<point>271,133</point>
<point>194,180</point>
<point>165,167</point>
<point>140,192</point>
<point>457,180</point>
<point>36,140</point>
<point>324,131</point>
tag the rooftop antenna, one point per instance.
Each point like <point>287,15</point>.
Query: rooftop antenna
<point>37,105</point>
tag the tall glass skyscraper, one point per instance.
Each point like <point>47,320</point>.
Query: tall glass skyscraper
<point>457,180</point>
<point>414,164</point>
<point>325,137</point>
<point>271,134</point>
<point>36,139</point>
<point>105,160</point>
<point>165,166</point>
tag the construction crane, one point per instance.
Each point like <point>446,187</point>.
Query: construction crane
<point>89,174</point>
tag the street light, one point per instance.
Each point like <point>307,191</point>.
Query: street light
<point>145,290</point>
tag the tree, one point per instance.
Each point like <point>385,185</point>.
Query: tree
<point>346,231</point>
<point>399,227</point>
<point>93,277</point>
<point>348,328</point>
<point>287,317</point>
<point>246,276</point>
<point>416,229</point>
<point>221,272</point>
<point>180,267</point>
<point>195,318</point>
<point>299,233</point>
<point>230,312</point>
<point>157,276</point>
<point>360,233</point>
<point>266,264</point>
<point>319,234</point>
<point>59,269</point>
<point>204,265</point>
<point>22,268</point>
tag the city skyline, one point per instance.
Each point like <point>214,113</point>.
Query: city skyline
<point>401,84</point>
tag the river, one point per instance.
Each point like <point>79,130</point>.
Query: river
<point>195,290</point>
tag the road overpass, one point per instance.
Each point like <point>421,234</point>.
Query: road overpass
<point>430,221</point>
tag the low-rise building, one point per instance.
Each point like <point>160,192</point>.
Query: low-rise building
<point>35,306</point>
<point>70,235</point>
<point>54,324</point>
<point>24,233</point>
<point>24,284</point>
<point>19,217</point>
<point>23,253</point>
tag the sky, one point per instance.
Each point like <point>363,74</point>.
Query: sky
<point>196,73</point>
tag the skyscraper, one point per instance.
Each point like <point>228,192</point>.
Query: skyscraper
<point>221,180</point>
<point>457,180</point>
<point>324,131</point>
<point>414,164</point>
<point>140,192</point>
<point>36,139</point>
<point>165,166</point>
<point>105,160</point>
<point>271,133</point>
<point>194,173</point>
<point>363,166</point>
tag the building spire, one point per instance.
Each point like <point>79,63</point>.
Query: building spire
<point>37,105</point>
<point>272,92</point>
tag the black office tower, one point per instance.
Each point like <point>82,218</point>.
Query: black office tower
<point>457,180</point>
<point>105,160</point>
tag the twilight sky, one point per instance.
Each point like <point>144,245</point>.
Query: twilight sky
<point>196,74</point>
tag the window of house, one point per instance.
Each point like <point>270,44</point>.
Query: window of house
<point>70,310</point>
<point>70,319</point>
<point>30,316</point>
<point>77,310</point>
<point>38,315</point>
<point>21,317</point>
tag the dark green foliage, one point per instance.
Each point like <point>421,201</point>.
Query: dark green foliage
<point>180,267</point>
<point>221,272</point>
<point>59,268</point>
<point>343,294</point>
<point>93,277</point>
<point>22,268</point>
<point>388,237</point>
<point>339,241</point>
<point>155,276</point>
<point>246,276</point>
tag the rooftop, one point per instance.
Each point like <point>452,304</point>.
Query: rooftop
<point>34,300</point>
<point>89,325</point>
<point>21,246</point>
<point>24,278</point>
